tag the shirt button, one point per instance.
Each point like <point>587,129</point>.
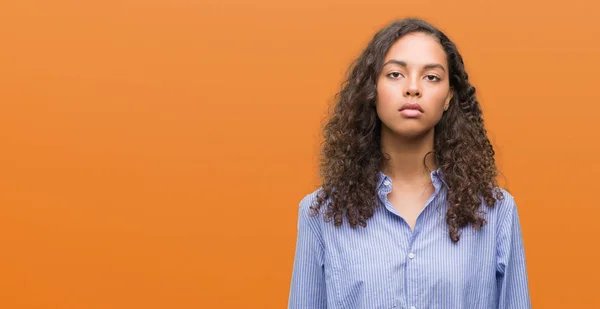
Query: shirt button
<point>387,183</point>
<point>413,307</point>
<point>412,256</point>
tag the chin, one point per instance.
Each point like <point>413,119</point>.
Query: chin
<point>412,132</point>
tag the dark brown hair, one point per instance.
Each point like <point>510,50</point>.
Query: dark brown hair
<point>351,155</point>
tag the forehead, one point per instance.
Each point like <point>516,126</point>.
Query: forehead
<point>417,49</point>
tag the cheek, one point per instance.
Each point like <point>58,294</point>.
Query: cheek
<point>437,104</point>
<point>387,95</point>
<point>438,99</point>
<point>385,102</point>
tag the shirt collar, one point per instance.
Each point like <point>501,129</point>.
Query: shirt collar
<point>436,178</point>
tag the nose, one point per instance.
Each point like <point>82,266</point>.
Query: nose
<point>412,89</point>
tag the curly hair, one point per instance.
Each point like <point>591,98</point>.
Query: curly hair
<point>351,154</point>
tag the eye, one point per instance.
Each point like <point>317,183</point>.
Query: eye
<point>395,75</point>
<point>435,78</point>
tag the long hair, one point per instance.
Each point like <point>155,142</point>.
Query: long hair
<point>351,155</point>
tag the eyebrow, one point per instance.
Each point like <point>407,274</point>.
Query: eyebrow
<point>427,66</point>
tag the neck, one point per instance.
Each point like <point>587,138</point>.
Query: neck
<point>406,165</point>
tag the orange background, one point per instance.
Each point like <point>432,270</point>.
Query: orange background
<point>154,152</point>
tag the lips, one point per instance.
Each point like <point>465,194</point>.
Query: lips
<point>414,106</point>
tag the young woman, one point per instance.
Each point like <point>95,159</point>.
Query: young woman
<point>409,214</point>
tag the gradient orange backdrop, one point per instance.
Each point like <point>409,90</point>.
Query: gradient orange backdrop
<point>154,152</point>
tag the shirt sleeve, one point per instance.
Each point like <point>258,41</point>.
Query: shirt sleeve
<point>513,288</point>
<point>307,290</point>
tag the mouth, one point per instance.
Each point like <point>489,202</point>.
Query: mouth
<point>411,110</point>
<point>414,106</point>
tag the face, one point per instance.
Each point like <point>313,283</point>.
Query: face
<point>413,88</point>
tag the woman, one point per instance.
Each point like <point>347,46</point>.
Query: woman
<point>409,214</point>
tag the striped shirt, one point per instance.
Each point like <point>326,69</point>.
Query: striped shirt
<point>388,265</point>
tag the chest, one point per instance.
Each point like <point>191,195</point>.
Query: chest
<point>381,265</point>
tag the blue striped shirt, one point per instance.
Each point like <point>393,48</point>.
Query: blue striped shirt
<point>388,265</point>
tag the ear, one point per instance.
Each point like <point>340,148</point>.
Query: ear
<point>448,98</point>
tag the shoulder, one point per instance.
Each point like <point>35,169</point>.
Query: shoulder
<point>505,209</point>
<point>309,200</point>
<point>506,205</point>
<point>306,216</point>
